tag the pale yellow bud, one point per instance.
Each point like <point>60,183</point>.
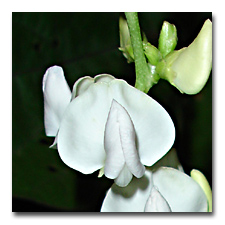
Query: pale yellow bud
<point>188,69</point>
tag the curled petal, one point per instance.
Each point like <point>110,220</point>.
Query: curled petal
<point>103,78</point>
<point>82,84</point>
<point>57,96</point>
<point>120,143</point>
<point>156,202</point>
<point>115,160</point>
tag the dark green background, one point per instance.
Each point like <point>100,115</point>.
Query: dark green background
<point>87,44</point>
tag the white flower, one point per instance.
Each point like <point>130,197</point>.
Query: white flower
<point>110,124</point>
<point>164,190</point>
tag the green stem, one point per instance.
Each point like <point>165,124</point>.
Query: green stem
<point>144,79</point>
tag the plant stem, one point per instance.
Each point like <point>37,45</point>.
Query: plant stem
<point>144,79</point>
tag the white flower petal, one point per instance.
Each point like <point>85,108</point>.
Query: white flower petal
<point>131,198</point>
<point>57,96</point>
<point>181,191</point>
<point>156,202</point>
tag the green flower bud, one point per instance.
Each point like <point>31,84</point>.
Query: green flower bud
<point>202,181</point>
<point>152,53</point>
<point>167,38</point>
<point>188,69</point>
<point>125,41</point>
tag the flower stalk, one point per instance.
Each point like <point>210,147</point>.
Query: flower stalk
<point>144,78</point>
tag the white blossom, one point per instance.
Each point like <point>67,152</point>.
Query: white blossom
<point>106,124</point>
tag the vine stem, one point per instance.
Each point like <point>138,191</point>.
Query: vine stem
<point>143,75</point>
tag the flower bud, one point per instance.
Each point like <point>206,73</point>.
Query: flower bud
<point>125,41</point>
<point>202,181</point>
<point>188,69</point>
<point>152,53</point>
<point>167,38</point>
